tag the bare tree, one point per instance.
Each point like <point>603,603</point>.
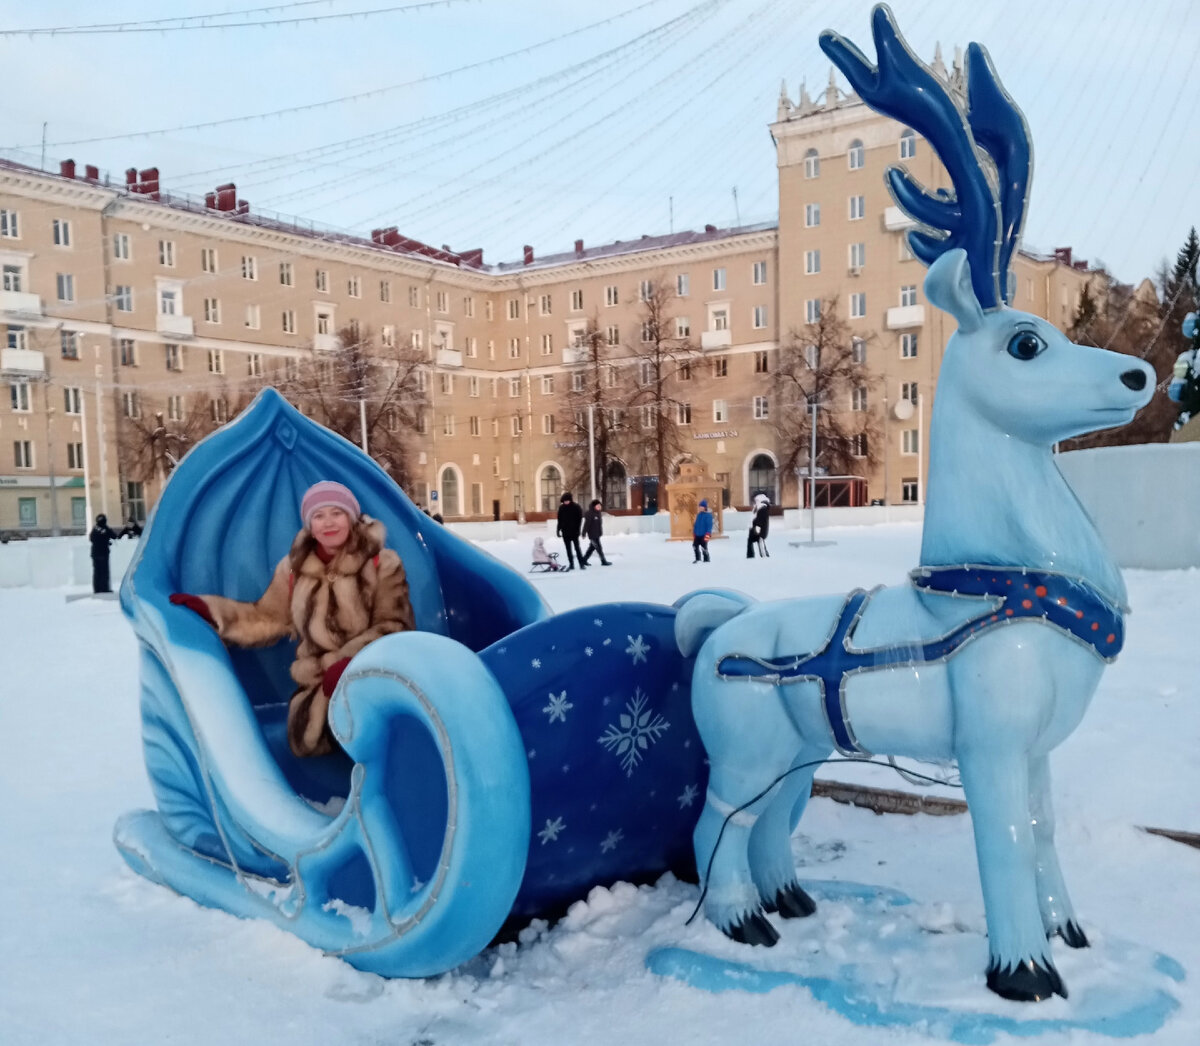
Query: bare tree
<point>151,444</point>
<point>658,355</point>
<point>386,384</point>
<point>822,361</point>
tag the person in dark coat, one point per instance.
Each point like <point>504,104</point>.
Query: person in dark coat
<point>101,537</point>
<point>570,521</point>
<point>759,526</point>
<point>701,529</point>
<point>593,527</point>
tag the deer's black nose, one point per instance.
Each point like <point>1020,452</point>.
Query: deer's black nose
<point>1134,379</point>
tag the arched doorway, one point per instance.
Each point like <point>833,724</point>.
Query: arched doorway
<point>762,478</point>
<point>616,487</point>
<point>550,487</point>
<point>451,492</point>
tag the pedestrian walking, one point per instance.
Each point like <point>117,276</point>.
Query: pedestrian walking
<point>570,522</point>
<point>759,526</point>
<point>593,528</point>
<point>101,536</point>
<point>701,530</point>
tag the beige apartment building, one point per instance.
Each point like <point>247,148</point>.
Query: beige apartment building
<point>124,306</point>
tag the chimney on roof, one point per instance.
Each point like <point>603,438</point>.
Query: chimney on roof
<point>210,200</point>
<point>226,196</point>
<point>131,178</point>
<point>528,255</point>
<point>1080,264</point>
<point>1062,254</point>
<point>67,168</point>
<point>243,207</point>
<point>92,173</point>
<point>473,257</point>
<point>710,228</point>
<point>149,182</point>
<point>579,248</point>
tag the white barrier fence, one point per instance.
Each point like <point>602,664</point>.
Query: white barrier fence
<point>1145,500</point>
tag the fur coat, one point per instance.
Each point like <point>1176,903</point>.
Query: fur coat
<point>332,610</point>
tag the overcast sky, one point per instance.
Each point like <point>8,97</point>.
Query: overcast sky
<point>637,126</point>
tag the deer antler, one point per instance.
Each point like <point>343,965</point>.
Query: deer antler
<point>973,216</point>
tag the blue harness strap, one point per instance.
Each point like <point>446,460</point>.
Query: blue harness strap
<point>1067,603</point>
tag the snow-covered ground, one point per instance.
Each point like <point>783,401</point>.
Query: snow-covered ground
<point>91,953</point>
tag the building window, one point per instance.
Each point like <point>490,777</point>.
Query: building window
<point>547,384</point>
<point>908,144</point>
<point>468,306</point>
<point>760,362</point>
<point>123,298</point>
<point>858,305</point>
<point>683,413</point>
<point>812,262</point>
<point>473,386</point>
<point>646,416</point>
<point>544,305</point>
<point>220,410</point>
<point>547,344</point>
<point>858,398</point>
<point>719,320</point>
<point>473,423</point>
<point>856,155</point>
<point>611,295</point>
<point>758,274</point>
<point>254,365</point>
<point>647,332</point>
<point>216,361</point>
<point>858,445</point>
<point>19,392</point>
<point>65,285</point>
<point>812,310</point>
<point>72,400</point>
<point>908,294</point>
<point>858,350</point>
<point>645,372</point>
<point>175,407</point>
<point>253,317</point>
<point>514,388</point>
<point>517,426</point>
<point>208,257</point>
<point>910,441</point>
<point>387,336</point>
<point>720,367</point>
<point>10,225</point>
<point>23,456</point>
<point>577,300</point>
<point>720,410</point>
<point>812,356</point>
<point>212,310</point>
<point>858,257</point>
<point>578,381</point>
<point>472,346</point>
<point>288,321</point>
<point>121,246</point>
<point>291,368</point>
<point>16,337</point>
<point>385,291</point>
<point>514,348</point>
<point>249,267</point>
<point>683,284</point>
<point>13,277</point>
<point>760,408</point>
<point>448,425</point>
<point>514,308</point>
<point>414,296</point>
<point>683,327</point>
<point>812,164</point>
<point>812,215</point>
<point>128,349</point>
<point>760,317</point>
<point>612,335</point>
<point>287,275</point>
<point>548,424</point>
<point>62,232</point>
<point>131,403</point>
<point>644,290</point>
<point>909,390</point>
<point>166,253</point>
<point>174,357</point>
<point>908,346</point>
<point>322,281</point>
<point>718,283</point>
<point>858,207</point>
<point>908,491</point>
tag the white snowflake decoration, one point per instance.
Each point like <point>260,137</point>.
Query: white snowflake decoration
<point>611,840</point>
<point>633,733</point>
<point>550,833</point>
<point>637,648</point>
<point>688,796</point>
<point>558,707</point>
<point>535,663</point>
<point>587,650</point>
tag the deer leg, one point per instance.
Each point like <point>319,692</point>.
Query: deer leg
<point>771,861</point>
<point>721,841</point>
<point>997,789</point>
<point>1058,914</point>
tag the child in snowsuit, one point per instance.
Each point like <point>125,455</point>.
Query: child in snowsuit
<point>701,529</point>
<point>335,591</point>
<point>593,528</point>
<point>759,526</point>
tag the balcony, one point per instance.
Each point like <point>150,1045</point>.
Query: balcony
<point>174,325</point>
<point>20,303</point>
<point>895,220</point>
<point>716,339</point>
<point>22,363</point>
<point>575,354</point>
<point>449,358</point>
<point>326,343</point>
<point>902,316</point>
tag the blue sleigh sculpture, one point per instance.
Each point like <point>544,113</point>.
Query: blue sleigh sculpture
<point>991,655</point>
<point>498,762</point>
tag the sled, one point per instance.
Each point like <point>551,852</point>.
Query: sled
<point>497,764</point>
<point>543,561</point>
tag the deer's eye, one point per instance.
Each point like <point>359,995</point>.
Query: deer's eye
<point>1024,345</point>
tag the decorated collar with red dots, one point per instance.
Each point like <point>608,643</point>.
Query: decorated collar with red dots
<point>1069,603</point>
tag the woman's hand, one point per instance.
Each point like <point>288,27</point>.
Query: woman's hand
<point>194,604</point>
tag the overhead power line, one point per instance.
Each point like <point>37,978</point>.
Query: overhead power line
<point>213,21</point>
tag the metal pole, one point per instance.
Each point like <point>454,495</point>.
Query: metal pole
<point>920,448</point>
<point>87,472</point>
<point>812,476</point>
<point>103,463</point>
<point>362,422</point>
<point>54,528</point>
<point>592,447</point>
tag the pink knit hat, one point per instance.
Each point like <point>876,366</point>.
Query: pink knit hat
<point>328,494</point>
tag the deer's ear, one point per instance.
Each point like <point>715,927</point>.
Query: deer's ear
<point>948,286</point>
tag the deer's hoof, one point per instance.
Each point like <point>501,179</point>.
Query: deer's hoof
<point>791,902</point>
<point>1073,935</point>
<point>1028,981</point>
<point>753,928</point>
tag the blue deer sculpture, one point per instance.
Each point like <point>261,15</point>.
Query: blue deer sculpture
<point>990,654</point>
